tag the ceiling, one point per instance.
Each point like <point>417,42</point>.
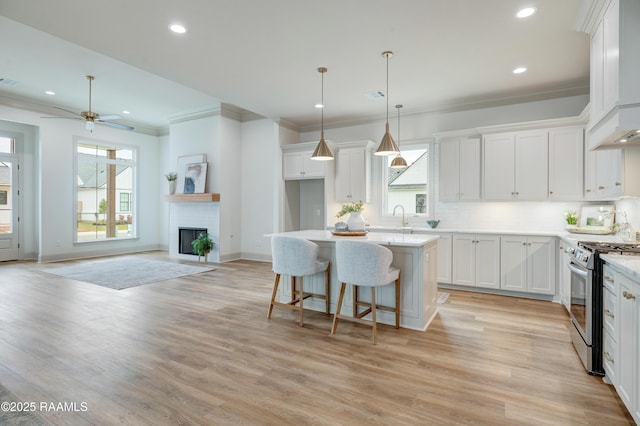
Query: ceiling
<point>263,56</point>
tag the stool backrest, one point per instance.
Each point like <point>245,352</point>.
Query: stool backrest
<point>362,263</point>
<point>294,256</point>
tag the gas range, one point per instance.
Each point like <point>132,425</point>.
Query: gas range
<point>587,251</point>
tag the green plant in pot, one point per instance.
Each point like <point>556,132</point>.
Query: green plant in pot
<point>355,221</point>
<point>202,245</point>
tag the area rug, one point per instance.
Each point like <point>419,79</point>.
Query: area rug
<point>442,297</point>
<point>125,273</point>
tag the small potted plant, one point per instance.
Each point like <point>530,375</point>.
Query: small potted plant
<point>202,246</point>
<point>172,177</point>
<point>571,217</point>
<point>355,222</point>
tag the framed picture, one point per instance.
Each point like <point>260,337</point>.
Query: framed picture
<point>597,217</point>
<point>195,178</point>
<point>182,166</point>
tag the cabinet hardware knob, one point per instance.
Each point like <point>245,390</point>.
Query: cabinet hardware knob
<point>608,313</point>
<point>609,358</point>
<point>608,278</point>
<point>517,193</point>
<point>587,190</point>
<point>628,295</point>
<point>551,192</point>
<point>618,184</point>
<point>601,187</point>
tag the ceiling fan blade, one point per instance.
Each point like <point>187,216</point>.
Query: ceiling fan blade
<point>109,117</point>
<point>117,125</point>
<point>66,110</point>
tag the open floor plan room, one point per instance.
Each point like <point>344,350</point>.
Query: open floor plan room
<point>200,350</point>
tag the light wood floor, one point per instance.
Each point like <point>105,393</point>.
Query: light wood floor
<point>199,350</point>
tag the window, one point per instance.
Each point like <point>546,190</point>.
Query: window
<point>3,198</point>
<point>409,187</point>
<point>104,191</point>
<point>6,145</point>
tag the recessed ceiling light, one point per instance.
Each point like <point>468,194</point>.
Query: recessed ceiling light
<point>622,140</point>
<point>125,112</point>
<point>519,70</point>
<point>177,28</point>
<point>50,92</point>
<point>526,12</point>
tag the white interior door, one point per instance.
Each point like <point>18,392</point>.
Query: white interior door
<point>9,229</point>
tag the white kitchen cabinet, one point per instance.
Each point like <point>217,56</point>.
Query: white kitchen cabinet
<point>629,352</point>
<point>612,173</point>
<point>564,274</point>
<point>459,169</point>
<point>353,172</point>
<point>516,165</point>
<point>445,243</point>
<point>566,163</point>
<point>476,260</point>
<point>528,264</point>
<point>299,165</point>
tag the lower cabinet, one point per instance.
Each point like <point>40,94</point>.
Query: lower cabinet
<point>444,258</point>
<point>528,264</point>
<point>610,325</point>
<point>476,260</point>
<point>628,350</point>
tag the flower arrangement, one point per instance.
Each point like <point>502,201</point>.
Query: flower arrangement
<point>350,208</point>
<point>171,176</point>
<point>571,217</point>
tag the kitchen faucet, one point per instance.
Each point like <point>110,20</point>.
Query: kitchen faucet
<point>404,221</point>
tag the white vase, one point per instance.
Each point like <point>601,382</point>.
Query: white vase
<point>355,222</point>
<point>172,187</point>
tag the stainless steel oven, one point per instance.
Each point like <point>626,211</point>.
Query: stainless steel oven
<point>582,311</point>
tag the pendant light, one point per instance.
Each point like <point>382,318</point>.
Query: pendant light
<point>322,151</point>
<point>399,162</point>
<point>387,145</point>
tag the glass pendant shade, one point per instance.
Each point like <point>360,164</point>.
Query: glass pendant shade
<point>387,145</point>
<point>322,151</point>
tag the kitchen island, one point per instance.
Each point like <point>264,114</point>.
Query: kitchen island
<point>414,254</point>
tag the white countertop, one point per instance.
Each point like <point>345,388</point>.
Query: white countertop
<point>386,238</point>
<point>629,265</point>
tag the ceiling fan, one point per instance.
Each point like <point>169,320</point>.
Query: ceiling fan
<point>91,117</point>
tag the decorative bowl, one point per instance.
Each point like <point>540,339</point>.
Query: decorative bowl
<point>433,223</point>
<point>341,226</point>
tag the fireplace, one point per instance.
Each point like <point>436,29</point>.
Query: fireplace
<point>186,236</point>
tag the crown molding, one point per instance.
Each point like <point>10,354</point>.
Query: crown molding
<point>576,88</point>
<point>589,14</point>
<point>291,126</point>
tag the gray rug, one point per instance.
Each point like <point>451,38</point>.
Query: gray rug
<point>125,273</point>
<point>442,297</point>
<point>10,415</point>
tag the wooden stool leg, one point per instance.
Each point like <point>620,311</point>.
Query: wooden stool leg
<point>273,295</point>
<point>373,315</point>
<point>398,302</point>
<point>301,307</point>
<point>334,326</point>
<point>355,301</point>
<point>293,288</point>
<point>327,289</point>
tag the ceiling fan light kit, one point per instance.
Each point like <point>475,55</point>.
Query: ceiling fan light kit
<point>322,151</point>
<point>387,145</point>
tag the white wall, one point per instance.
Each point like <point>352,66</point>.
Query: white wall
<point>230,167</point>
<point>54,173</point>
<point>261,179</point>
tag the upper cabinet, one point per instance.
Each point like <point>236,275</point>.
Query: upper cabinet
<point>297,162</point>
<point>516,165</point>
<point>566,163</point>
<point>612,173</point>
<point>353,171</point>
<point>459,169</point>
<point>614,64</point>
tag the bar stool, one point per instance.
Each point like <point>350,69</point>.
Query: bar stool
<point>297,258</point>
<point>365,264</point>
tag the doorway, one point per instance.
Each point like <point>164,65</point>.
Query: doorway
<point>9,205</point>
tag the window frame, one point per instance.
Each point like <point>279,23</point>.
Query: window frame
<point>429,145</point>
<point>133,163</point>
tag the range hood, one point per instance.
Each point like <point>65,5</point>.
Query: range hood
<point>618,129</point>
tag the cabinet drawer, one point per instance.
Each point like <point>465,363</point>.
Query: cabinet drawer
<point>609,279</point>
<point>610,313</point>
<point>610,359</point>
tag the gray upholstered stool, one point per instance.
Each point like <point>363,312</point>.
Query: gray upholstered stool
<point>365,264</point>
<point>297,258</point>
